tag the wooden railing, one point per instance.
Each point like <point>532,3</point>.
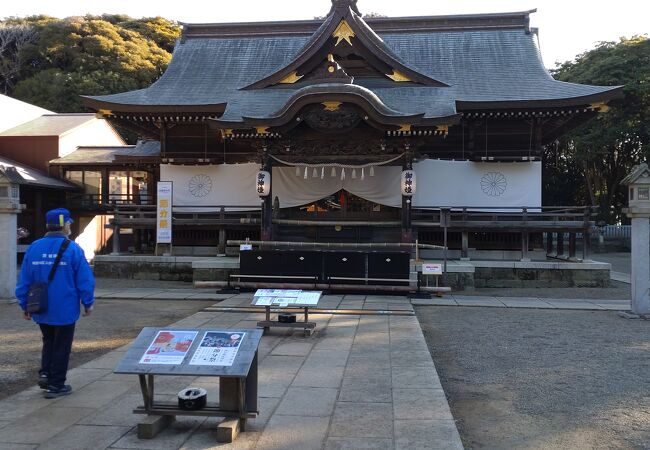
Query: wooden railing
<point>144,216</point>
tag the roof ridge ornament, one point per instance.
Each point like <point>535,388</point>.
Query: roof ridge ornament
<point>343,4</point>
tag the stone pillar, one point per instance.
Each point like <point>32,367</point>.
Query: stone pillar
<point>464,246</point>
<point>640,265</point>
<point>116,240</point>
<point>549,243</point>
<point>560,244</point>
<point>572,246</point>
<point>8,247</point>
<point>524,246</point>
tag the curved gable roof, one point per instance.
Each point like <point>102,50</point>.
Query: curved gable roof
<point>487,61</point>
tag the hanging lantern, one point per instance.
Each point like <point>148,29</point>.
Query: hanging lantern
<point>297,171</point>
<point>333,172</point>
<point>372,171</point>
<point>354,174</point>
<point>343,173</point>
<point>314,174</point>
<point>263,184</point>
<point>306,172</point>
<point>322,172</point>
<point>408,183</point>
<point>363,175</point>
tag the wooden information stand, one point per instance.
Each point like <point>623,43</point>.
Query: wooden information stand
<point>287,298</point>
<point>237,381</point>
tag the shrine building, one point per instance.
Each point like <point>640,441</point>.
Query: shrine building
<point>349,130</point>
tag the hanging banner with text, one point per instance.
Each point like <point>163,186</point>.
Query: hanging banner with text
<point>164,212</point>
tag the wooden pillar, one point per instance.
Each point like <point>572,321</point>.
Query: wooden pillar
<point>560,244</point>
<point>464,249</point>
<point>266,232</point>
<point>116,240</point>
<point>407,231</point>
<point>572,245</point>
<point>221,249</point>
<point>104,187</point>
<point>586,245</point>
<point>549,243</point>
<point>524,246</point>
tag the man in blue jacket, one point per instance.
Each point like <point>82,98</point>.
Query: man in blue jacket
<point>73,284</point>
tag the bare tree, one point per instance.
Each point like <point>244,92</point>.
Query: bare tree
<point>12,39</point>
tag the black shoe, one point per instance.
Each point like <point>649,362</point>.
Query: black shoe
<point>42,381</point>
<point>54,392</point>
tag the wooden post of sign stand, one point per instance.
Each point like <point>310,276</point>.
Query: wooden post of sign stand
<point>286,300</point>
<point>237,399</point>
<point>427,269</point>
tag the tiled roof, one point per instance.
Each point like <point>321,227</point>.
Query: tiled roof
<point>480,63</point>
<point>50,125</point>
<point>108,155</point>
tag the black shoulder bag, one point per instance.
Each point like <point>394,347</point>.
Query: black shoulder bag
<point>37,301</point>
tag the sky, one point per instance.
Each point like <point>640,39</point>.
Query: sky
<point>566,27</point>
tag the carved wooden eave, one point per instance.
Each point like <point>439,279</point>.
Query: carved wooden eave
<point>330,100</point>
<point>344,31</point>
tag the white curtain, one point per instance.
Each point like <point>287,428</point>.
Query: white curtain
<point>467,183</point>
<point>295,190</point>
<point>439,183</point>
<point>205,186</point>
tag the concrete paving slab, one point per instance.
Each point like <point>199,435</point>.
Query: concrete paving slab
<point>372,388</point>
<point>172,294</point>
<point>415,378</point>
<point>362,420</point>
<point>17,446</point>
<point>294,433</point>
<point>334,343</point>
<point>308,401</point>
<point>41,425</point>
<point>483,302</point>
<point>85,437</point>
<point>573,304</point>
<point>96,394</point>
<point>117,413</point>
<point>108,361</point>
<point>293,348</point>
<point>315,376</point>
<point>171,438</point>
<point>434,301</point>
<point>426,435</point>
<point>326,358</point>
<point>525,303</point>
<point>135,293</point>
<point>420,403</point>
<point>22,404</point>
<point>410,358</point>
<point>342,443</point>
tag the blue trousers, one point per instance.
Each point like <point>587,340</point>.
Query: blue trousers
<point>57,344</point>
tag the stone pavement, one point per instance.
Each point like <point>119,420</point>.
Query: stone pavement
<point>359,382</point>
<point>375,302</point>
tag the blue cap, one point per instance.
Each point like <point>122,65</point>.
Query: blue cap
<point>59,216</point>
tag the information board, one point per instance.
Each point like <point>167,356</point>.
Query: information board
<point>193,352</point>
<point>164,212</point>
<point>169,347</point>
<point>431,269</point>
<point>217,348</point>
<point>286,297</point>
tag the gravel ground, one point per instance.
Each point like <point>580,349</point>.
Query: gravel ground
<point>113,323</point>
<point>615,291</point>
<point>620,261</point>
<point>543,379</point>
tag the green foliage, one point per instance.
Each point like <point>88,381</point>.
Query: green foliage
<point>90,56</point>
<point>596,156</point>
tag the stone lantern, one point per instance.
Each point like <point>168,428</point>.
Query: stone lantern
<point>10,207</point>
<point>638,182</point>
